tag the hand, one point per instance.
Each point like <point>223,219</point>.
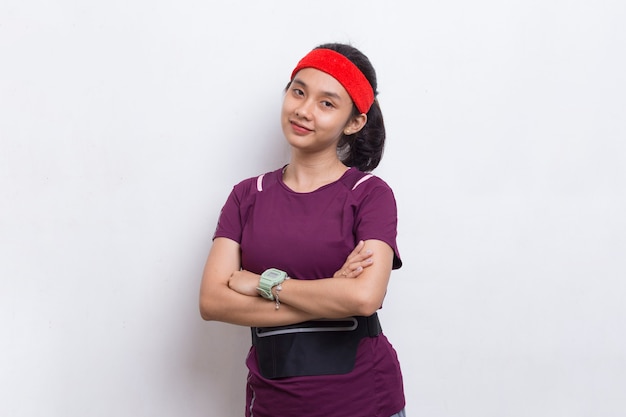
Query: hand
<point>244,282</point>
<point>358,260</point>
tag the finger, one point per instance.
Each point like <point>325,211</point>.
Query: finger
<point>355,272</point>
<point>353,260</point>
<point>358,267</point>
<point>361,256</point>
<point>361,264</point>
<point>357,249</point>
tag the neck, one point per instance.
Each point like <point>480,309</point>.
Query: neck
<point>305,175</point>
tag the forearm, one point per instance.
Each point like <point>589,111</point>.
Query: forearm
<point>330,297</point>
<point>221,303</point>
<point>228,306</point>
<point>344,296</point>
<point>357,289</point>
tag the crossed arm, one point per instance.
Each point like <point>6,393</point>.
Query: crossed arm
<point>358,288</point>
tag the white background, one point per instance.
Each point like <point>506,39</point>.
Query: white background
<point>124,125</point>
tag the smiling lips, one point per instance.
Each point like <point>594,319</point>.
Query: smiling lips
<point>297,128</point>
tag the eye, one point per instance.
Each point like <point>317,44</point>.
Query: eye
<point>328,104</point>
<point>297,92</point>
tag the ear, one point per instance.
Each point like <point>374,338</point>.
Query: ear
<point>355,124</point>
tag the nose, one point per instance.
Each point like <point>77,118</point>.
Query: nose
<point>304,109</point>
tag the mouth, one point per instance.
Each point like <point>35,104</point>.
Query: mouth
<point>298,128</point>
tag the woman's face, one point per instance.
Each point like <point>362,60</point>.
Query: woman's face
<point>316,111</point>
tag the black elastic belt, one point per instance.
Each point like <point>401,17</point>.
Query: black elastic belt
<point>316,347</point>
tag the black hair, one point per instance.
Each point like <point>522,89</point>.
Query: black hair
<point>364,149</point>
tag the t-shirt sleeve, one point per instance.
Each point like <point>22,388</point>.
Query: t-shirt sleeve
<point>229,221</point>
<point>232,216</point>
<point>377,216</point>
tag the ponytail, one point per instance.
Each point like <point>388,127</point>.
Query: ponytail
<point>364,149</point>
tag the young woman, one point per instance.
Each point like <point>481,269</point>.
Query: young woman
<point>303,254</point>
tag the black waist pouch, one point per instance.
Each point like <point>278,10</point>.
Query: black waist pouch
<point>318,347</point>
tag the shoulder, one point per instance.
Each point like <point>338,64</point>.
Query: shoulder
<point>256,184</point>
<point>364,183</point>
<point>371,194</point>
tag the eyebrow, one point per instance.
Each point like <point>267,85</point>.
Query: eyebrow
<point>325,93</point>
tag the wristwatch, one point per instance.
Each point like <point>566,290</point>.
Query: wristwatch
<point>269,279</point>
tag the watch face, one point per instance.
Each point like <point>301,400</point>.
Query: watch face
<point>273,274</point>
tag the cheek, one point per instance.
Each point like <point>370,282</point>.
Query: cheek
<point>333,123</point>
<point>284,114</point>
<point>288,105</point>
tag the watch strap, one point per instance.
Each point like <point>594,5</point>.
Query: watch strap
<point>269,279</point>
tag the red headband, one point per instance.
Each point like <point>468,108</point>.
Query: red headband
<point>344,71</point>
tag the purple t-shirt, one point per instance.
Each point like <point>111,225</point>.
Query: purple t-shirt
<point>309,235</point>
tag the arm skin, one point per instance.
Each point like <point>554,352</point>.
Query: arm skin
<point>221,302</point>
<point>340,297</point>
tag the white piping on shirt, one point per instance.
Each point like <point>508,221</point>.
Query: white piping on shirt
<point>253,398</point>
<point>259,182</point>
<point>362,180</point>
